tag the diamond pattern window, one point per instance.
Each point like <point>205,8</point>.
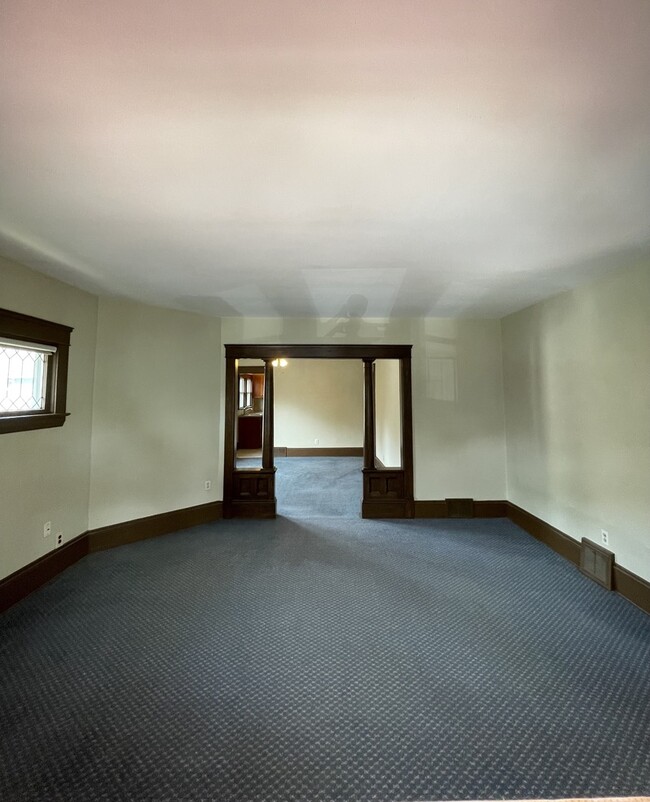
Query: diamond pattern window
<point>33,372</point>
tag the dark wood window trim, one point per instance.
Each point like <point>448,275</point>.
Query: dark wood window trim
<point>29,329</point>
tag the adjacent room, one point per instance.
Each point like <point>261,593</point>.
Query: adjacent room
<point>324,400</point>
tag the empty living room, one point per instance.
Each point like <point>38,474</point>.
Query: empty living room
<point>324,400</point>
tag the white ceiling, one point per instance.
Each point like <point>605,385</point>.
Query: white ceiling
<point>299,158</point>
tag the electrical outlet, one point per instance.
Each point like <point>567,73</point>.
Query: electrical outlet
<point>59,538</point>
<point>316,441</point>
<point>207,485</point>
<point>604,536</point>
<point>47,529</point>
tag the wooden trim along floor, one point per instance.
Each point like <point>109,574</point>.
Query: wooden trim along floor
<point>27,579</point>
<point>107,537</point>
<point>325,452</point>
<point>22,582</point>
<point>439,508</point>
<point>634,588</point>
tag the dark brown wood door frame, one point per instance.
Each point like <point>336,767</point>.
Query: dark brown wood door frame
<point>387,492</point>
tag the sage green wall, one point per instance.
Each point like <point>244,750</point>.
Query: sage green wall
<point>577,392</point>
<point>156,434</point>
<point>46,473</point>
<point>457,391</point>
<point>319,399</point>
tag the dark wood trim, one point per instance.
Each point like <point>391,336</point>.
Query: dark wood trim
<point>369,446</point>
<point>26,580</point>
<point>460,507</point>
<point>107,537</point>
<point>33,329</point>
<point>251,508</point>
<point>325,351</point>
<point>634,588</point>
<point>558,541</point>
<point>406,407</point>
<point>430,508</point>
<point>491,509</point>
<point>387,508</point>
<point>324,452</point>
<point>439,508</point>
<point>230,437</point>
<point>25,328</point>
<point>37,420</point>
<point>248,491</point>
<point>268,417</point>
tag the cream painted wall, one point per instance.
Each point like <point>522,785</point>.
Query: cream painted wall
<point>458,418</point>
<point>156,428</point>
<point>319,399</point>
<point>46,473</point>
<point>388,428</point>
<point>577,390</point>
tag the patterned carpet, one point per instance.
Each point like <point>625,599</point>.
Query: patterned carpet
<point>325,658</point>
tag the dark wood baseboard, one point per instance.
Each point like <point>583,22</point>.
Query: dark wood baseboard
<point>439,508</point>
<point>22,582</point>
<point>387,508</point>
<point>539,529</point>
<point>27,579</point>
<point>250,508</point>
<point>634,588</point>
<point>324,452</point>
<point>106,537</point>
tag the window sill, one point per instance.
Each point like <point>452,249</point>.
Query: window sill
<point>24,423</point>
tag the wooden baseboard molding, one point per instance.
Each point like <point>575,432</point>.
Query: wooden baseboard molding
<point>439,508</point>
<point>634,588</point>
<point>539,529</point>
<point>22,582</point>
<point>106,537</point>
<point>387,508</point>
<point>249,508</point>
<point>324,452</point>
<point>27,579</point>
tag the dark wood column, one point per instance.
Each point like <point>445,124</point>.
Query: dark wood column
<point>406,404</point>
<point>231,431</point>
<point>267,446</point>
<point>369,413</point>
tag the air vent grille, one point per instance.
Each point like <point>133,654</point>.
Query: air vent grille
<point>597,563</point>
<point>460,507</point>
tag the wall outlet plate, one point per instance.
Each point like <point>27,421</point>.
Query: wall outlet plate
<point>604,537</point>
<point>207,485</point>
<point>59,538</point>
<point>47,529</point>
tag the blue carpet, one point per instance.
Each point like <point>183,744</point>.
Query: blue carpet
<point>319,487</point>
<point>325,659</point>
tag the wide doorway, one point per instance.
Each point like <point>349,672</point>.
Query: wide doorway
<point>253,373</point>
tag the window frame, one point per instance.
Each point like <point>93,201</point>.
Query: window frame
<point>246,381</point>
<point>33,330</point>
